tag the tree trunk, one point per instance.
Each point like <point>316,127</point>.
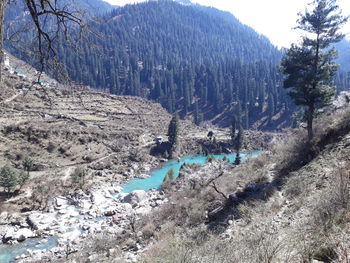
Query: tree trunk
<point>310,118</point>
<point>3,4</point>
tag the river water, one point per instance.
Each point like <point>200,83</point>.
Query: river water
<point>9,252</point>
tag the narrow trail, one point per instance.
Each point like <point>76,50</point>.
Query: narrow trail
<point>12,97</point>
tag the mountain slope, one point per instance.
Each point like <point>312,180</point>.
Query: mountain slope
<point>191,58</point>
<point>197,60</point>
<point>343,48</point>
<point>16,9</point>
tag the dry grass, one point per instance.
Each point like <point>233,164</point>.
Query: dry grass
<point>91,118</point>
<point>313,224</point>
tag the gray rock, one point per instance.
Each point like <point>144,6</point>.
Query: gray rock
<point>136,196</point>
<point>61,201</point>
<point>8,235</point>
<point>22,234</point>
<point>109,213</point>
<point>4,216</point>
<point>98,198</point>
<point>39,221</point>
<point>140,195</point>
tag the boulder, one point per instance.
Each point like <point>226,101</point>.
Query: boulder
<point>140,195</point>
<point>8,235</point>
<point>116,190</point>
<point>136,196</point>
<point>4,216</point>
<point>85,204</point>
<point>22,234</point>
<point>39,221</point>
<point>125,208</point>
<point>61,201</point>
<point>109,213</point>
<point>97,198</point>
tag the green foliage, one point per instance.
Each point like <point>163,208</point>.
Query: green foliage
<point>225,159</point>
<point>27,164</point>
<point>210,158</point>
<point>78,176</point>
<point>309,67</point>
<point>168,179</point>
<point>40,195</point>
<point>238,141</point>
<point>233,127</point>
<point>8,179</point>
<point>173,130</point>
<point>178,59</point>
<point>22,178</point>
<point>169,175</point>
<point>238,159</point>
<point>210,135</point>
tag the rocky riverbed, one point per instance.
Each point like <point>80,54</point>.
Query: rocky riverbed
<point>77,217</point>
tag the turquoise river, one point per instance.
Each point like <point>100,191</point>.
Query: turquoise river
<point>8,253</point>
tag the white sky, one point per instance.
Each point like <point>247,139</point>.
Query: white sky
<point>272,18</point>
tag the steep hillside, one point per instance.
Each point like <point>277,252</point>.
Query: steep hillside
<point>61,128</point>
<point>343,48</point>
<point>290,204</point>
<point>15,12</point>
<point>78,147</point>
<point>191,58</point>
<point>287,205</point>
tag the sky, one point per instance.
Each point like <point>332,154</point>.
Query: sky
<point>272,18</point>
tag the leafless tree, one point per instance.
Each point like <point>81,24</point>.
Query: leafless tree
<point>50,20</point>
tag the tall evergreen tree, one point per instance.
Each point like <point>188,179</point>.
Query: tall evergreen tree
<point>173,130</point>
<point>238,145</point>
<point>233,128</point>
<point>309,67</point>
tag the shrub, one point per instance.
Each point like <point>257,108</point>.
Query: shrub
<point>78,176</point>
<point>51,147</point>
<point>28,164</point>
<point>325,254</point>
<point>10,129</point>
<point>168,179</point>
<point>22,178</point>
<point>148,230</point>
<point>210,158</point>
<point>8,179</point>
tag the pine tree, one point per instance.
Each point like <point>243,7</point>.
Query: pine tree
<point>233,128</point>
<point>271,106</point>
<point>8,179</point>
<point>238,145</point>
<point>197,114</point>
<point>309,68</point>
<point>173,130</point>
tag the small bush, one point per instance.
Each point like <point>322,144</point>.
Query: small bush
<point>325,254</point>
<point>168,179</point>
<point>294,187</point>
<point>10,129</point>
<point>51,147</point>
<point>210,158</point>
<point>78,176</point>
<point>149,230</point>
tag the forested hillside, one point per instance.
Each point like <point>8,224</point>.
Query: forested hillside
<point>343,48</point>
<point>197,60</point>
<point>15,11</point>
<point>191,58</point>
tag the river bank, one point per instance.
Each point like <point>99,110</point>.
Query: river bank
<point>71,220</point>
